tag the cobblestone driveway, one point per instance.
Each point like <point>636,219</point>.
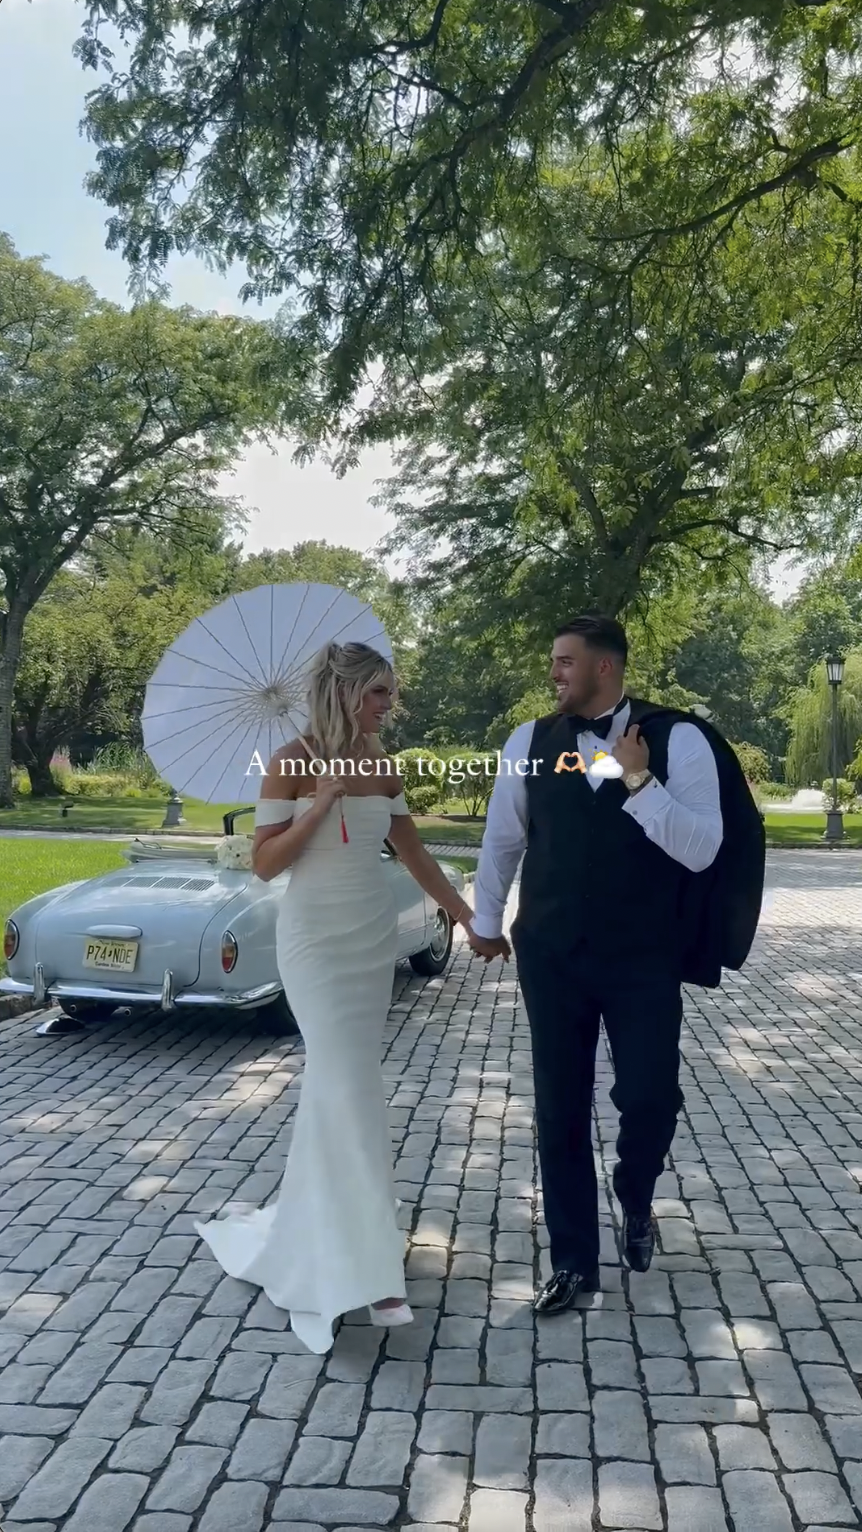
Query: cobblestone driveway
<point>140,1389</point>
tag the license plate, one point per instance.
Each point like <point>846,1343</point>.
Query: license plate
<point>119,957</point>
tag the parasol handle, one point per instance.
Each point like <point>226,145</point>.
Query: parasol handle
<point>344,836</point>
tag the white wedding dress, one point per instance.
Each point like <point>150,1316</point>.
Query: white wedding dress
<point>331,1243</point>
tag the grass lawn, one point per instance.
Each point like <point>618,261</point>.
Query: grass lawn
<point>465,863</point>
<point>131,816</point>
<point>119,815</point>
<point>456,832</point>
<point>115,815</point>
<point>29,867</point>
<point>807,829</point>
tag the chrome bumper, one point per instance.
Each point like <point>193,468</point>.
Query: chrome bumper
<point>162,998</point>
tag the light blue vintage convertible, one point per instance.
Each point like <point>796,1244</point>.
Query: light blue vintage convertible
<point>177,929</point>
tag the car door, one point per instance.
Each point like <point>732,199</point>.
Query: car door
<point>410,903</point>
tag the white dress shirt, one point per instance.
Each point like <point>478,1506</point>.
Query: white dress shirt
<point>683,818</point>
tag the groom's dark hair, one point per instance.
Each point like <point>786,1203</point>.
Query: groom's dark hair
<point>598,632</point>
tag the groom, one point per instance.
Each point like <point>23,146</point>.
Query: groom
<point>597,933</point>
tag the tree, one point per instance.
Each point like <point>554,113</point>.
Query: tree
<point>350,153</point>
<point>94,639</point>
<point>809,756</point>
<point>366,578</point>
<point>66,679</point>
<point>325,563</point>
<point>111,418</point>
<point>754,761</point>
<point>825,618</point>
<point>469,664</point>
<point>738,660</point>
<point>571,448</point>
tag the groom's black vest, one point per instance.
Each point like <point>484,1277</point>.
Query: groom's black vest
<point>590,873</point>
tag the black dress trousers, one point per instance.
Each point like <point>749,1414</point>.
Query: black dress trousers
<point>566,993</point>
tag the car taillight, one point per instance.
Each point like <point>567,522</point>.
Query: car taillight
<point>11,938</point>
<point>229,951</point>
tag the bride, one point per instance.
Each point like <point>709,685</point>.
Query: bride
<point>331,1242</point>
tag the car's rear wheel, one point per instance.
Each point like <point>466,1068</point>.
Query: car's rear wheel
<point>87,1010</point>
<point>433,958</point>
<point>280,1017</point>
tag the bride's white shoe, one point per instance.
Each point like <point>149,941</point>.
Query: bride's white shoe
<point>388,1318</point>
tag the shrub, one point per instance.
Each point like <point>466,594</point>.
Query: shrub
<point>121,759</point>
<point>421,798</point>
<point>422,790</point>
<point>778,792</point>
<point>854,769</point>
<point>754,762</point>
<point>91,784</point>
<point>846,792</point>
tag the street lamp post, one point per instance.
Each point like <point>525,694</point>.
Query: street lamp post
<point>834,816</point>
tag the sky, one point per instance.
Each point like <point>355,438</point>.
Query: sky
<point>46,212</point>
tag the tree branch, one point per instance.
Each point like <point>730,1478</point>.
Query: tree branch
<point>799,170</point>
<point>583,489</point>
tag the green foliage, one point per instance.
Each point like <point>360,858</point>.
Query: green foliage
<point>468,665</point>
<point>854,768</point>
<point>611,299</point>
<point>540,443</point>
<point>754,762</point>
<point>422,775</point>
<point>470,777</point>
<point>98,784</point>
<point>809,755</point>
<point>534,704</point>
<point>739,659</point>
<point>89,647</point>
<point>775,792</point>
<point>122,759</point>
<point>846,791</point>
<point>825,615</point>
<point>113,420</point>
<point>66,678</point>
<point>352,156</point>
<point>96,637</point>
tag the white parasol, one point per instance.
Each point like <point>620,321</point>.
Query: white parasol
<point>232,688</point>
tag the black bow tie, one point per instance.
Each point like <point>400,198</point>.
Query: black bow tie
<point>601,727</point>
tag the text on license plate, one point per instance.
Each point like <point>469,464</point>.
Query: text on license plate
<point>119,956</point>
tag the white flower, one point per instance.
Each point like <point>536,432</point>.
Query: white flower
<point>234,853</point>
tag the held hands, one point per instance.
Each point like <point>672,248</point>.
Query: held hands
<point>631,750</point>
<point>489,947</point>
<point>486,947</point>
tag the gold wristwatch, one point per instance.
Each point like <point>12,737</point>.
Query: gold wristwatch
<point>634,780</point>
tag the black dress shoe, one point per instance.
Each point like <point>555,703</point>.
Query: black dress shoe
<point>567,1290</point>
<point>638,1239</point>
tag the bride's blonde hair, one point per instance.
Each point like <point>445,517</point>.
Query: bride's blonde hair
<point>340,676</point>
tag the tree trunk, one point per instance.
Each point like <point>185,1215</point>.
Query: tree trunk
<point>10,659</point>
<point>615,585</point>
<point>38,763</point>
